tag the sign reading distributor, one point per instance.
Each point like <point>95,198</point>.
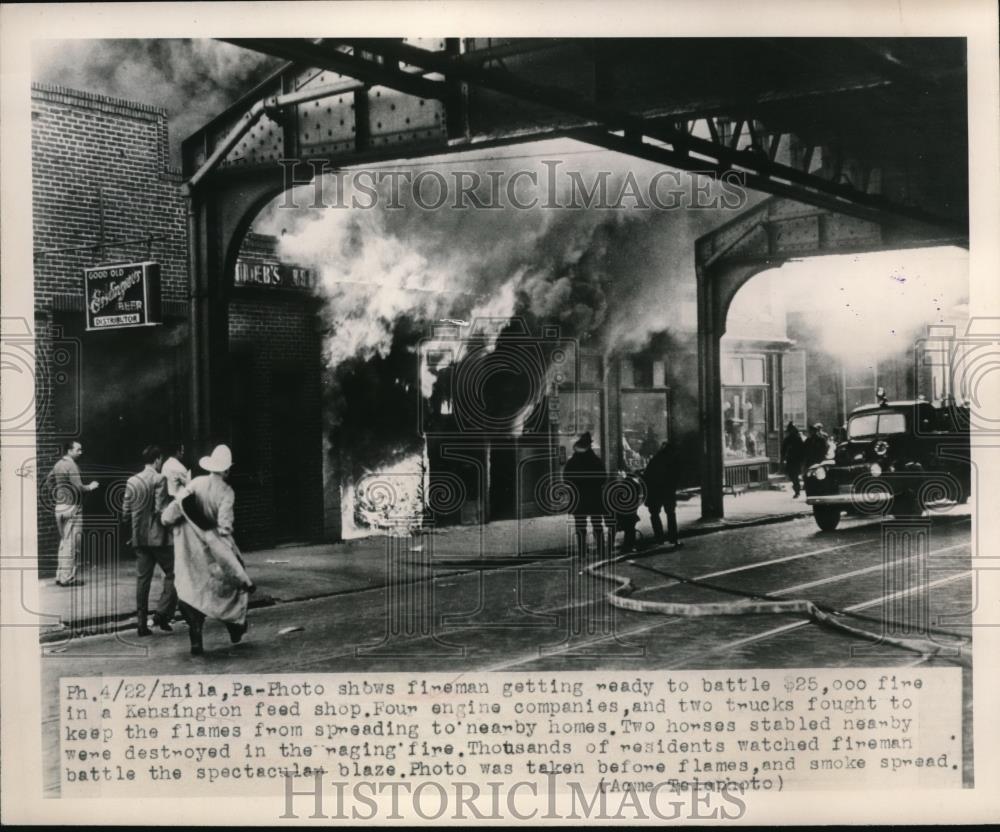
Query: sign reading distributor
<point>273,275</point>
<point>122,296</point>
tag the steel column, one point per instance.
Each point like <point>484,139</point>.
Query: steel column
<point>709,397</point>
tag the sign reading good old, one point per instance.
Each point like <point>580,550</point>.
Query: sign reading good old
<point>122,296</point>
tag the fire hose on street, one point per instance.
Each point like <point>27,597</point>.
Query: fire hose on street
<point>761,604</point>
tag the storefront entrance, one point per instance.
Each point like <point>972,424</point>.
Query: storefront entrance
<point>127,390</point>
<point>291,440</point>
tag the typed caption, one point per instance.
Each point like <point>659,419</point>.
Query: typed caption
<point>723,731</point>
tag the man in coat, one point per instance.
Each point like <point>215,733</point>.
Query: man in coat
<point>68,490</point>
<point>817,445</point>
<point>660,477</point>
<point>145,498</point>
<point>584,472</point>
<point>209,573</point>
<point>793,455</point>
<point>174,470</point>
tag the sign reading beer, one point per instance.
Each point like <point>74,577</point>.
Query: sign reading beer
<point>272,275</point>
<point>122,296</point>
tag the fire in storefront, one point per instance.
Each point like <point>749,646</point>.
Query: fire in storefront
<point>474,346</point>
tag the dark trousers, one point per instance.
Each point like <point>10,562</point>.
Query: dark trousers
<point>670,507</point>
<point>196,622</point>
<point>580,525</point>
<point>194,618</point>
<point>146,560</point>
<point>793,470</point>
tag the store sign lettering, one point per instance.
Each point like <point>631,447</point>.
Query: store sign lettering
<point>273,275</point>
<point>121,296</point>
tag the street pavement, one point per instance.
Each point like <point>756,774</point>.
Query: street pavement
<point>296,572</point>
<point>549,615</point>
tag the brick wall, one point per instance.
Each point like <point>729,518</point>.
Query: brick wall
<point>269,338</point>
<point>100,170</point>
<point>99,161</point>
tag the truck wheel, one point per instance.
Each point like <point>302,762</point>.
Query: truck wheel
<point>827,517</point>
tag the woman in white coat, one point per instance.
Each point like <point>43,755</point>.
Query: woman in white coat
<point>209,574</point>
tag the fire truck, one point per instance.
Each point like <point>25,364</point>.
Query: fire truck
<point>899,458</point>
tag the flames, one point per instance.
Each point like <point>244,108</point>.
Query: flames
<point>389,500</point>
<point>607,279</point>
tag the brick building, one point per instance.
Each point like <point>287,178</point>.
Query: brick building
<point>275,347</point>
<point>104,193</point>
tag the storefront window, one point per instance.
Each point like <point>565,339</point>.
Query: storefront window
<point>644,426</point>
<point>590,369</point>
<point>738,369</point>
<point>579,412</point>
<point>793,394</point>
<point>744,422</point>
<point>753,370</point>
<point>628,372</point>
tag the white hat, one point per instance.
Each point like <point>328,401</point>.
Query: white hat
<point>220,461</point>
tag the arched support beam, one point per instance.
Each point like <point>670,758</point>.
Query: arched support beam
<point>219,215</point>
<point>762,238</point>
<point>716,289</point>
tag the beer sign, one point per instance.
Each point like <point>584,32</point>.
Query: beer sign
<point>122,296</point>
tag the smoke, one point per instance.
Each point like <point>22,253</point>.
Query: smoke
<point>609,278</point>
<point>193,80</point>
<point>874,306</point>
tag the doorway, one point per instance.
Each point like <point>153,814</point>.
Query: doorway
<point>289,452</point>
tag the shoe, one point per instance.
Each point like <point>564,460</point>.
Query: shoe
<point>143,630</point>
<point>236,632</point>
<point>162,623</point>
<point>72,582</point>
<point>196,645</point>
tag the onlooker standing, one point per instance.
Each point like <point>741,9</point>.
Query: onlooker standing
<point>793,454</point>
<point>660,477</point>
<point>68,490</point>
<point>145,498</point>
<point>174,471</point>
<point>584,472</point>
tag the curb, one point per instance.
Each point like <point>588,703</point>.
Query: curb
<point>127,620</point>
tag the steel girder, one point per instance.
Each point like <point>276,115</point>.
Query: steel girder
<point>756,139</point>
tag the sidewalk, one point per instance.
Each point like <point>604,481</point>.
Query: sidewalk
<point>106,600</point>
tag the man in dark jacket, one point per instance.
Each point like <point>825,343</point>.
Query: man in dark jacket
<point>584,472</point>
<point>660,477</point>
<point>817,444</point>
<point>793,454</point>
<point>145,498</point>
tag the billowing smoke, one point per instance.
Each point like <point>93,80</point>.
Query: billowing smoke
<point>609,277</point>
<point>193,80</point>
<point>874,306</point>
<point>606,277</point>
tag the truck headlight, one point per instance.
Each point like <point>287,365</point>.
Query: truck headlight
<point>875,469</point>
<point>819,473</point>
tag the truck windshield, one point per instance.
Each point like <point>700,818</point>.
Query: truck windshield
<point>876,424</point>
